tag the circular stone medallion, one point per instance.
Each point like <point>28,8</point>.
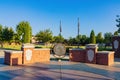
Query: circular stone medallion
<point>90,55</point>
<point>59,49</point>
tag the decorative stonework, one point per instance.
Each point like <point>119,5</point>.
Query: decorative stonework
<point>90,55</point>
<point>59,49</point>
<point>91,46</point>
<point>27,45</point>
<point>116,43</point>
<point>28,54</point>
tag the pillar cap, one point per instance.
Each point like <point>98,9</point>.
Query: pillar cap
<point>12,51</point>
<point>28,45</point>
<point>91,46</point>
<point>105,52</point>
<point>77,49</point>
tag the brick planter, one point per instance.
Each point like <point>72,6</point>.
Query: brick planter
<point>32,55</point>
<point>13,57</point>
<point>91,55</point>
<point>28,55</point>
<point>41,55</point>
<point>77,55</point>
<point>105,57</point>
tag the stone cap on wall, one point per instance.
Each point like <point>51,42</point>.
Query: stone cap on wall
<point>42,49</point>
<point>91,46</point>
<point>12,51</point>
<point>28,45</point>
<point>76,49</point>
<point>105,52</point>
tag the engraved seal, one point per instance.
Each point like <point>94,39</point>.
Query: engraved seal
<point>90,55</point>
<point>59,50</point>
<point>28,54</point>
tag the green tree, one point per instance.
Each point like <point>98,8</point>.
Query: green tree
<point>99,38</point>
<point>92,37</point>
<point>24,31</point>
<point>118,21</point>
<point>16,38</point>
<point>72,41</point>
<point>7,34</point>
<point>58,39</point>
<point>78,37</point>
<point>87,40</point>
<point>1,28</point>
<point>83,39</point>
<point>44,36</point>
<point>107,37</point>
<point>116,33</point>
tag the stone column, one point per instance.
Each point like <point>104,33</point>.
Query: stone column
<point>91,50</point>
<point>116,45</point>
<point>28,50</point>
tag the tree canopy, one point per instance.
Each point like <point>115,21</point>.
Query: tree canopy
<point>99,38</point>
<point>118,21</point>
<point>24,31</point>
<point>44,36</point>
<point>58,39</point>
<point>107,37</point>
<point>7,34</point>
<point>92,37</point>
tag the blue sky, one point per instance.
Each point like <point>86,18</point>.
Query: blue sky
<point>98,15</point>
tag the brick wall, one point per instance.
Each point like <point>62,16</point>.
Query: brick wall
<point>77,55</point>
<point>41,55</point>
<point>13,57</point>
<point>91,55</point>
<point>105,58</point>
<point>28,55</point>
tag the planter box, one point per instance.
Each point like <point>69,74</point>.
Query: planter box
<point>77,55</point>
<point>105,57</point>
<point>13,57</point>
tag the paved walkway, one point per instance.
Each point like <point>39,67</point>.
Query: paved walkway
<point>63,70</point>
<point>59,71</point>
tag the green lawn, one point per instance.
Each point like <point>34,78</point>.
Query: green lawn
<point>18,47</point>
<point>11,47</point>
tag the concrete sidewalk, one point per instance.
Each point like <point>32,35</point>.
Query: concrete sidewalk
<point>64,70</point>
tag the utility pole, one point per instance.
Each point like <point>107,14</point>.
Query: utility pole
<point>78,30</point>
<point>60,28</point>
<point>60,31</point>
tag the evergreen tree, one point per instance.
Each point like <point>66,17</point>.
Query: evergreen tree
<point>99,38</point>
<point>92,37</point>
<point>116,33</point>
<point>118,21</point>
<point>7,34</point>
<point>107,37</point>
<point>24,31</point>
